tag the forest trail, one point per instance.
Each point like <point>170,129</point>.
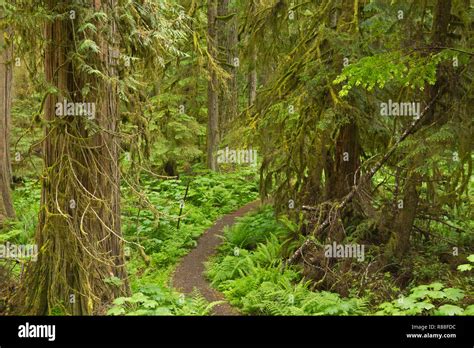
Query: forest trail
<point>190,272</point>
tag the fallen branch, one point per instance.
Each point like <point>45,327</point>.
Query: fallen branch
<point>364,179</point>
<point>144,256</point>
<point>428,217</point>
<point>308,208</point>
<point>425,232</point>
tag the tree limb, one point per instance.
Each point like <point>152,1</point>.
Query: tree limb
<point>366,178</point>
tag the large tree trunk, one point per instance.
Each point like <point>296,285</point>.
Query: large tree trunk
<point>346,162</point>
<point>212,89</point>
<point>6,205</point>
<point>227,38</point>
<point>399,243</point>
<point>342,170</point>
<point>80,267</point>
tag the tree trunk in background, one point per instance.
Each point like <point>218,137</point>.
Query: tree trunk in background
<point>80,267</point>
<point>6,205</point>
<point>212,88</point>
<point>227,38</point>
<point>223,58</point>
<point>399,242</point>
<point>228,41</point>
<point>253,75</point>
<point>234,61</point>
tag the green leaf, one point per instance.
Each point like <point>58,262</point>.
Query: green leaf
<point>405,302</point>
<point>436,286</point>
<point>120,300</point>
<point>116,310</point>
<point>87,26</point>
<point>138,297</point>
<point>113,281</point>
<point>88,44</point>
<point>418,293</point>
<point>469,310</point>
<point>449,310</point>
<point>425,305</point>
<point>436,294</point>
<point>139,312</point>
<point>465,267</point>
<point>150,304</point>
<point>9,235</point>
<point>454,294</point>
<point>162,311</point>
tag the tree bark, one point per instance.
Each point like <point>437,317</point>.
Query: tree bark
<point>343,168</point>
<point>403,224</point>
<point>346,162</point>
<point>253,75</point>
<point>212,88</point>
<point>80,267</point>
<point>227,38</point>
<point>6,204</point>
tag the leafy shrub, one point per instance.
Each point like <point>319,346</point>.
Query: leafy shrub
<point>467,266</point>
<point>427,299</point>
<point>156,300</point>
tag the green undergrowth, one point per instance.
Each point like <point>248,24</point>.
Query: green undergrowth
<point>210,195</point>
<point>26,198</point>
<point>249,271</point>
<point>152,227</point>
<point>159,300</point>
<point>431,299</point>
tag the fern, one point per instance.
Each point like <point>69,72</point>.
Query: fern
<point>255,228</point>
<point>197,305</point>
<point>256,280</point>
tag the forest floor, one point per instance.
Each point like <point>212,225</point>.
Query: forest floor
<point>189,274</point>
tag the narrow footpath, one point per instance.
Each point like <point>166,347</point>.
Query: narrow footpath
<point>190,272</point>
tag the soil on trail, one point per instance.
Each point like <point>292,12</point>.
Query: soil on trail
<point>190,272</point>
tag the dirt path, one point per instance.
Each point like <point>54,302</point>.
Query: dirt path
<point>190,272</point>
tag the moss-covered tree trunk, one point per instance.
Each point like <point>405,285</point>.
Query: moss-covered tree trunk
<point>6,205</point>
<point>227,38</point>
<point>212,89</point>
<point>344,173</point>
<point>80,267</point>
<point>253,75</point>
